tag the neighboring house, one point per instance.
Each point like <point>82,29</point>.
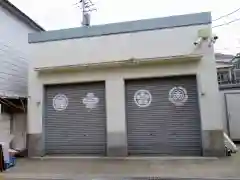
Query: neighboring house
<point>228,68</point>
<point>224,68</point>
<point>14,60</point>
<point>14,49</point>
<point>131,88</point>
<point>236,67</point>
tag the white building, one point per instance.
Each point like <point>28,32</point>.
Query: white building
<point>228,68</point>
<point>131,88</point>
<point>14,59</point>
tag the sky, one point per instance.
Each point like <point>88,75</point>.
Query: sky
<point>61,14</point>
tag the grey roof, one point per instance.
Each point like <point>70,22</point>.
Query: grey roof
<point>123,27</point>
<point>20,15</point>
<point>236,58</point>
<point>220,56</point>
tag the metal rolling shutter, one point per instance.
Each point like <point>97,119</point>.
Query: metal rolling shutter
<point>77,129</point>
<point>163,128</point>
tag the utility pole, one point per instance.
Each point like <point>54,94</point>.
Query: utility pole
<point>86,7</point>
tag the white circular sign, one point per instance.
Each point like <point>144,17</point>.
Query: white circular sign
<point>178,96</point>
<point>60,102</point>
<point>90,101</point>
<point>143,98</point>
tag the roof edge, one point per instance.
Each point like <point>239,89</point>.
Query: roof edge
<point>122,27</point>
<point>20,15</point>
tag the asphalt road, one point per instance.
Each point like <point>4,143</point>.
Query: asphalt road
<point>118,178</point>
<point>227,168</point>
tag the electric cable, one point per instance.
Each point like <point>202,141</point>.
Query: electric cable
<point>226,15</point>
<point>227,23</point>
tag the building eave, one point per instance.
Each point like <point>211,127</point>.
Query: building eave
<point>20,15</point>
<point>224,67</point>
<point>122,63</point>
<point>220,56</point>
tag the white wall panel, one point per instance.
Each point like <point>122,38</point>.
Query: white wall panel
<point>14,53</point>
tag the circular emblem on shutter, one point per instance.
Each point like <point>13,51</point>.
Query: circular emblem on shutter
<point>178,96</point>
<point>143,98</point>
<point>90,101</point>
<point>60,102</point>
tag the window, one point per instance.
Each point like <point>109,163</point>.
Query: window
<point>223,77</point>
<point>237,65</point>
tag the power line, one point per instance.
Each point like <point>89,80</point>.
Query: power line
<point>226,15</point>
<point>230,22</point>
<point>86,7</point>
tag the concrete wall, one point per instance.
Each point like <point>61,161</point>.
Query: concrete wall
<point>149,44</point>
<point>19,131</point>
<point>14,55</point>
<point>14,127</point>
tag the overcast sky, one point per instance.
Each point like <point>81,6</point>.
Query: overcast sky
<point>59,14</point>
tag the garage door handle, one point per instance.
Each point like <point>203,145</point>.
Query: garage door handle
<point>150,134</point>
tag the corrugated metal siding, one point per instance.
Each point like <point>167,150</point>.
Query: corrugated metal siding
<point>5,126</point>
<point>14,55</point>
<point>77,129</point>
<point>13,71</point>
<point>163,128</point>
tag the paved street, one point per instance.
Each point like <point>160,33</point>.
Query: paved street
<point>224,168</point>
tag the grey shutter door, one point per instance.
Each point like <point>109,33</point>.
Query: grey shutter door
<point>77,129</point>
<point>163,128</point>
